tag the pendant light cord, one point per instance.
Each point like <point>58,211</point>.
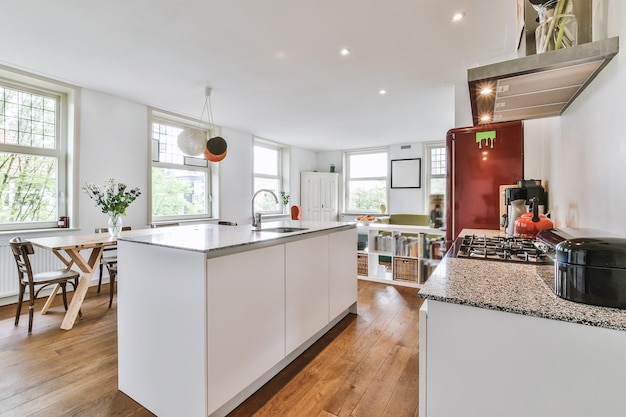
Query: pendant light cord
<point>209,111</point>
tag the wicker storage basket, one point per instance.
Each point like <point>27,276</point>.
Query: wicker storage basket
<point>405,269</point>
<point>362,264</point>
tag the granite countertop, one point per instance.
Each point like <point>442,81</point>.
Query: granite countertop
<point>515,288</point>
<point>217,239</point>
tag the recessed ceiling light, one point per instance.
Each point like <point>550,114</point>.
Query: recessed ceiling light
<point>485,118</point>
<point>345,51</point>
<point>458,16</point>
<point>486,90</point>
<point>382,91</point>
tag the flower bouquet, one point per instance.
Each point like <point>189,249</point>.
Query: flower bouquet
<point>113,198</point>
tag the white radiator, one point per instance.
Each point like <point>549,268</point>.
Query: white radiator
<point>41,260</point>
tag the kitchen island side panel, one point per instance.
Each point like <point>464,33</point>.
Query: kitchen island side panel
<point>162,328</point>
<point>343,270</point>
<point>246,320</point>
<point>307,290</point>
<point>486,363</point>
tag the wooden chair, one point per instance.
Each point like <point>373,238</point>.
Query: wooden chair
<point>107,260</point>
<point>21,250</point>
<point>112,268</point>
<point>296,212</point>
<point>157,225</point>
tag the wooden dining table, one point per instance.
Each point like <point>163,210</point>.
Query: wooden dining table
<point>84,251</point>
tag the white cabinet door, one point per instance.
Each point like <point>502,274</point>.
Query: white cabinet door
<point>343,273</point>
<point>246,320</point>
<point>328,197</point>
<point>312,204</point>
<point>306,286</point>
<point>319,196</point>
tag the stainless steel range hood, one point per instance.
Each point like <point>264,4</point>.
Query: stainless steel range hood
<point>535,86</point>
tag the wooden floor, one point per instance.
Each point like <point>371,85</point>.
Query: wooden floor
<point>365,366</point>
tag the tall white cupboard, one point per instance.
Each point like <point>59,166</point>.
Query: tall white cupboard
<point>319,193</point>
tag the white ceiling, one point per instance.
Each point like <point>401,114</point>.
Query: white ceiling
<point>274,65</point>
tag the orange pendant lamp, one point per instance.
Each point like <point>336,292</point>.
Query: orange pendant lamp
<point>215,149</point>
<point>216,146</point>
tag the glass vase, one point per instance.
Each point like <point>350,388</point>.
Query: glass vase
<point>115,224</point>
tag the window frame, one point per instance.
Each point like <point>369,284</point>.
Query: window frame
<point>282,166</point>
<point>211,168</point>
<point>428,147</point>
<point>346,179</point>
<point>66,125</point>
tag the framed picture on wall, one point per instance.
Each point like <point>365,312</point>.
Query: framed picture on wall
<point>406,173</point>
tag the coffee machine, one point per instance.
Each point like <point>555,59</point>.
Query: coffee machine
<point>517,201</point>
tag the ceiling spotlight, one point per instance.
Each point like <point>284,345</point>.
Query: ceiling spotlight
<point>458,16</point>
<point>345,51</point>
<point>485,118</point>
<point>486,90</point>
<point>382,92</point>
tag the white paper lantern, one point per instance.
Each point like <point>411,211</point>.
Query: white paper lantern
<point>192,142</point>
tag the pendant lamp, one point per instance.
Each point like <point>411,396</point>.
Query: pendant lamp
<point>193,142</point>
<point>216,146</point>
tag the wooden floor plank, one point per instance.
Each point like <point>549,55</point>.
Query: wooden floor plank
<point>367,365</point>
<point>379,391</point>
<point>404,400</point>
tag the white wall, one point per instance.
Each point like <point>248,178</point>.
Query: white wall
<point>584,150</point>
<point>113,144</point>
<point>302,160</point>
<point>236,177</point>
<point>407,200</point>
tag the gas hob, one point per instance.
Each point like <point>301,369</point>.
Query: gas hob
<point>506,249</point>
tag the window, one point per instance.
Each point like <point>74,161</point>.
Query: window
<point>436,177</point>
<point>180,184</point>
<point>33,152</point>
<point>366,180</point>
<point>268,169</point>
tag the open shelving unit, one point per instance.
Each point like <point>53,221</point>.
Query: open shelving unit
<point>399,254</point>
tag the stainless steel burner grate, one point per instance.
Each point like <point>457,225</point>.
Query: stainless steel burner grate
<point>500,249</point>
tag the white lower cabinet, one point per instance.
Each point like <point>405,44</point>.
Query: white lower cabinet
<point>476,362</point>
<point>307,289</point>
<point>245,319</point>
<point>342,264</point>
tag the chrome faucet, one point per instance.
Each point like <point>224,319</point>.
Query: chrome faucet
<point>256,218</point>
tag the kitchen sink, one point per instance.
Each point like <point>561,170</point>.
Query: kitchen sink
<point>283,229</point>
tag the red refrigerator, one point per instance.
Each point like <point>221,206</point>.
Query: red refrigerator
<point>480,159</point>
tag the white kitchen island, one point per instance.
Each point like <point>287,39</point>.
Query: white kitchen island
<point>207,314</point>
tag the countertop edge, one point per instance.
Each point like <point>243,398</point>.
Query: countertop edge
<point>236,236</point>
<point>525,312</point>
